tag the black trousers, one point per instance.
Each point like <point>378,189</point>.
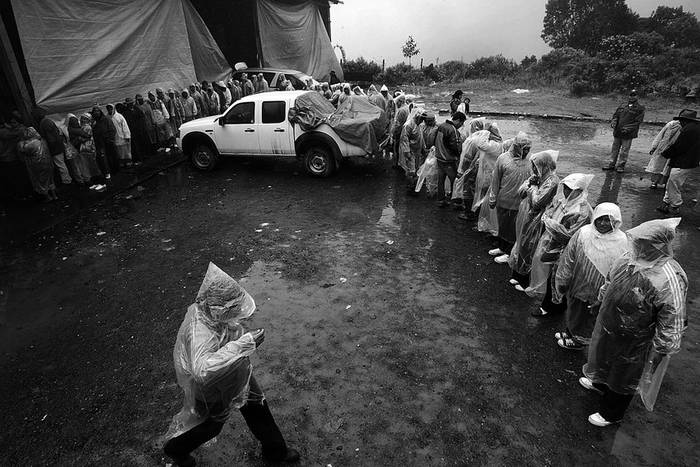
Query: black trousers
<point>523,280</point>
<point>446,170</point>
<point>547,304</point>
<point>612,404</point>
<point>257,416</point>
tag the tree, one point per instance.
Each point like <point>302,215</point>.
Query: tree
<point>583,24</point>
<point>410,49</point>
<point>678,28</point>
<point>527,61</point>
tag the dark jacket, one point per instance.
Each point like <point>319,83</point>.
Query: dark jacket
<point>53,136</point>
<point>685,152</point>
<point>447,147</point>
<point>626,120</point>
<point>104,132</point>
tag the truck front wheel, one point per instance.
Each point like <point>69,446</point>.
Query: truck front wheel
<point>203,157</point>
<point>319,162</point>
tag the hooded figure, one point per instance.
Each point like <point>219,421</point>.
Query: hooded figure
<point>469,160</point>
<point>376,98</point>
<point>584,265</point>
<point>122,137</point>
<point>411,147</point>
<point>537,193</point>
<point>33,150</point>
<point>212,366</point>
<point>104,134</point>
<point>641,321</point>
<point>511,170</point>
<point>568,212</point>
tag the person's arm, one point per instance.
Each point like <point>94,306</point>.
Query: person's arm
<point>671,319</point>
<point>615,118</point>
<point>125,128</point>
<point>496,182</point>
<point>209,363</point>
<point>565,267</point>
<point>542,197</point>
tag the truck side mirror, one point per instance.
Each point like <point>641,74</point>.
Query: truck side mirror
<point>221,121</point>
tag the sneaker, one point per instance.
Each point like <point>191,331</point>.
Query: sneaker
<point>598,420</point>
<point>674,211</point>
<point>588,384</point>
<point>93,187</point>
<point>620,170</point>
<point>108,177</point>
<point>520,288</point>
<point>443,204</point>
<point>608,167</point>
<point>467,216</point>
<point>513,282</point>
<point>101,188</point>
<point>503,259</point>
<point>496,252</point>
<point>663,208</point>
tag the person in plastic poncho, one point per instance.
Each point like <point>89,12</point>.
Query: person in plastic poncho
<point>582,269</point>
<point>568,212</point>
<point>472,147</point>
<point>482,165</point>
<point>537,193</point>
<point>640,324</point>
<point>511,171</point>
<point>213,369</point>
<point>411,147</point>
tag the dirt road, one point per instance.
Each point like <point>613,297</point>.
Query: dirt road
<point>392,337</point>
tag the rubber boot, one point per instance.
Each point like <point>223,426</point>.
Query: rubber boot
<point>263,426</point>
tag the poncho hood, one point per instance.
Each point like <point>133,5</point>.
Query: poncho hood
<point>222,300</point>
<point>650,242</point>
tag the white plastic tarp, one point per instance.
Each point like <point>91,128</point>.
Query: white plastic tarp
<point>81,52</point>
<point>293,36</point>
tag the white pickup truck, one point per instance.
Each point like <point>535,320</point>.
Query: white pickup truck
<point>258,125</point>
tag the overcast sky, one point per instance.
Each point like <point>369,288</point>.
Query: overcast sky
<point>451,29</point>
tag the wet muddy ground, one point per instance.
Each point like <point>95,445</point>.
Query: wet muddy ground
<point>392,337</point>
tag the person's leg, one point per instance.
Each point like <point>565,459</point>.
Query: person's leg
<point>547,304</point>
<point>624,154</point>
<point>180,447</point>
<point>614,151</point>
<point>60,163</point>
<point>112,157</point>
<point>103,164</point>
<point>613,405</point>
<point>676,180</point>
<point>442,175</point>
<point>261,423</point>
<point>523,279</point>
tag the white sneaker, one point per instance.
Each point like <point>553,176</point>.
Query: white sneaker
<point>94,187</point>
<point>588,384</point>
<point>101,188</point>
<point>503,259</point>
<point>513,282</point>
<point>497,252</point>
<point>598,420</point>
<point>519,288</point>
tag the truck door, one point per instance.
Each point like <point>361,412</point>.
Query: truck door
<point>237,132</point>
<point>274,130</point>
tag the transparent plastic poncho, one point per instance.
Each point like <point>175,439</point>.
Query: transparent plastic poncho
<point>642,315</point>
<point>536,198</point>
<point>211,353</point>
<point>561,220</point>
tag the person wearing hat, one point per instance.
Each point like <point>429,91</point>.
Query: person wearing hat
<point>625,124</point>
<point>213,369</point>
<point>684,157</point>
<point>247,86</point>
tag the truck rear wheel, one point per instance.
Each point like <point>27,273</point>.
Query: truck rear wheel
<point>203,157</point>
<point>319,162</point>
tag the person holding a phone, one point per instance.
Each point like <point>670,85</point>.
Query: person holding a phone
<point>213,369</point>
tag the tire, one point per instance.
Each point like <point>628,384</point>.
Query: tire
<point>203,157</point>
<point>319,161</point>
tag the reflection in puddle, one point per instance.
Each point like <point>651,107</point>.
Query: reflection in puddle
<point>388,218</point>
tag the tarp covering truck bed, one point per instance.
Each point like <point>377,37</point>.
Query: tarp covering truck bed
<point>356,121</point>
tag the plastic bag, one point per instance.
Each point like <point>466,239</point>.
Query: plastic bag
<point>653,375</point>
<point>428,173</point>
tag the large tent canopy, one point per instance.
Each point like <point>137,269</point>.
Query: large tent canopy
<point>80,52</point>
<point>73,54</point>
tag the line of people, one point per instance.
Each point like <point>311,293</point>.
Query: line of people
<point>621,293</point>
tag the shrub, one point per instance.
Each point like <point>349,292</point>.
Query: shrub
<point>362,67</point>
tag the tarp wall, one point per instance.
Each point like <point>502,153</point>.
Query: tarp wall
<point>80,52</point>
<point>293,36</point>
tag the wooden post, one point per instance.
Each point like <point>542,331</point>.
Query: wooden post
<point>421,63</point>
<point>382,65</point>
<point>10,67</point>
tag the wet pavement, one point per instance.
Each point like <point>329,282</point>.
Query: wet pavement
<point>392,337</point>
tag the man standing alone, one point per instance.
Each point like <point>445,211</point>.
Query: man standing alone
<point>625,124</point>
